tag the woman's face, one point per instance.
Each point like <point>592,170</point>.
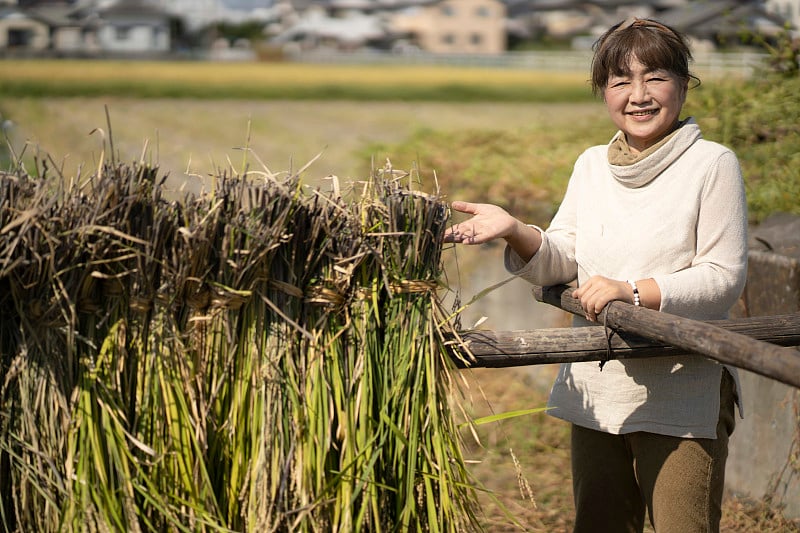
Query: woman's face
<point>645,105</point>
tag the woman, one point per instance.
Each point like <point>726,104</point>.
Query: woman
<point>655,218</point>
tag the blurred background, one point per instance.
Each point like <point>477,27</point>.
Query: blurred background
<point>480,100</point>
<point>493,32</point>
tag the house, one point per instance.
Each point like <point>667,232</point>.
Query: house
<point>569,19</point>
<point>455,26</point>
<point>317,28</point>
<point>708,23</point>
<point>124,27</point>
<point>21,31</point>
<point>73,31</point>
<point>722,21</point>
<point>435,26</point>
<point>484,27</point>
<point>134,26</point>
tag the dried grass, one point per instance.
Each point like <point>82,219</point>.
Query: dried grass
<point>260,358</point>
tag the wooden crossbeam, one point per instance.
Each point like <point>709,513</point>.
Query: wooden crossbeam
<point>757,344</point>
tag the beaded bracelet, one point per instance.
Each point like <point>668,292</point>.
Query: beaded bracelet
<point>636,300</point>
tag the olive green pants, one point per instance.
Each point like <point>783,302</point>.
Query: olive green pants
<point>678,481</point>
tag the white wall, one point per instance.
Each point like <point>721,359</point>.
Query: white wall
<point>788,9</point>
<point>134,38</point>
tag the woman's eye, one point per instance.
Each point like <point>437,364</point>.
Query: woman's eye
<point>659,76</point>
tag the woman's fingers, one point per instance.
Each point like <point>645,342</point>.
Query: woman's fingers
<point>468,232</point>
<point>488,222</point>
<point>595,294</point>
<point>463,207</point>
<point>454,234</point>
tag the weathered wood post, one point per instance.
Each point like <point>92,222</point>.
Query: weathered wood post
<point>758,344</point>
<point>704,338</point>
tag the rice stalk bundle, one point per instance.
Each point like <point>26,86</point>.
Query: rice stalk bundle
<point>257,358</point>
<point>415,423</point>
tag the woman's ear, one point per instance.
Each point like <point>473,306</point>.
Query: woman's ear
<point>684,91</point>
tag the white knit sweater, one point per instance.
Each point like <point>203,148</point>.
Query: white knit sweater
<point>678,216</point>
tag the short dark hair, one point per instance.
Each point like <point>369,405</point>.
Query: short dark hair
<point>655,45</point>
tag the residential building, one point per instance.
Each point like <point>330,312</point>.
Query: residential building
<point>122,27</point>
<point>317,28</point>
<point>73,30</point>
<point>707,22</point>
<point>134,26</point>
<point>716,22</point>
<point>21,31</point>
<point>306,25</point>
<point>483,27</point>
<point>455,26</point>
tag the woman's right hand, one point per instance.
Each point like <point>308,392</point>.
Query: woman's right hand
<point>490,222</point>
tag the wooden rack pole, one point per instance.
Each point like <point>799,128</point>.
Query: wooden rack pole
<point>704,338</point>
<point>497,349</point>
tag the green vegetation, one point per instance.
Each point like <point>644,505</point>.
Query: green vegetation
<point>527,171</point>
<point>760,120</point>
<point>251,31</point>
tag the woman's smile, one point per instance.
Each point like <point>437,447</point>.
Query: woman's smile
<point>644,114</point>
<point>644,104</point>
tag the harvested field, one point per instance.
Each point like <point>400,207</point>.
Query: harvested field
<point>296,81</point>
<point>191,138</point>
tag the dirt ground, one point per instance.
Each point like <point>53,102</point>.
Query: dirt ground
<point>524,462</point>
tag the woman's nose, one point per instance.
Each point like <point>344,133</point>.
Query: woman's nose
<point>639,92</point>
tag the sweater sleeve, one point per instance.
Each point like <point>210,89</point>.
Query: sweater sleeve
<point>555,262</point>
<point>710,286</point>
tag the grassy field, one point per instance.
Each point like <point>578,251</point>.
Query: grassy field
<point>190,138</point>
<point>151,79</point>
<point>495,142</point>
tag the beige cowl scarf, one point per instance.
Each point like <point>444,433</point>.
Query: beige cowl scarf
<point>620,153</point>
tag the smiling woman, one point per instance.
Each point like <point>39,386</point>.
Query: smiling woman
<point>656,218</point>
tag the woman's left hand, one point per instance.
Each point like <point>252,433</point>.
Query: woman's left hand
<point>597,291</point>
